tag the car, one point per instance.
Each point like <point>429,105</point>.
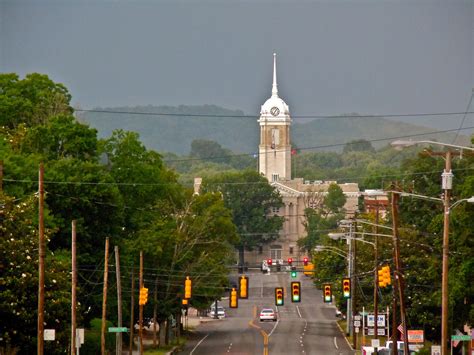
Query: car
<point>220,312</point>
<point>268,314</point>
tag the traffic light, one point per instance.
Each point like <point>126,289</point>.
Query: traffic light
<point>305,261</point>
<point>233,300</point>
<point>184,302</point>
<point>295,291</point>
<point>327,293</point>
<point>143,299</point>
<point>290,261</point>
<point>293,274</point>
<point>279,298</point>
<point>384,276</point>
<point>269,262</point>
<point>346,288</point>
<point>244,287</point>
<point>187,288</point>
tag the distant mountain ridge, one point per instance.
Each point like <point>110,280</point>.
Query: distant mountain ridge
<point>174,131</point>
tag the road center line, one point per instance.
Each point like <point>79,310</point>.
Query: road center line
<point>335,343</point>
<point>198,344</point>
<point>274,327</point>
<point>299,313</point>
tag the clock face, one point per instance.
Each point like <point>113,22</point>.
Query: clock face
<point>275,111</point>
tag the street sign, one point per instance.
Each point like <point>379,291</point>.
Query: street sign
<point>118,329</point>
<point>357,317</point>
<point>356,329</point>
<point>461,337</point>
<point>435,349</point>
<point>49,334</point>
<point>375,343</point>
<point>356,323</point>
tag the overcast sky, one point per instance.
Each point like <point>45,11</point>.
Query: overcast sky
<point>333,56</point>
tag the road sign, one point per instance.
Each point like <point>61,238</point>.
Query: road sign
<point>356,329</point>
<point>356,323</point>
<point>435,349</point>
<point>118,329</point>
<point>461,337</point>
<point>375,343</point>
<point>357,317</point>
<point>49,334</point>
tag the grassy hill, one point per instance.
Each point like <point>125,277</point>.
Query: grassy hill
<point>175,131</point>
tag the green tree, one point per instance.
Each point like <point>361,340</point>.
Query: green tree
<point>358,145</point>
<point>19,280</point>
<point>251,199</point>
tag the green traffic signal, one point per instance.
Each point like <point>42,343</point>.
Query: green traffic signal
<point>293,274</point>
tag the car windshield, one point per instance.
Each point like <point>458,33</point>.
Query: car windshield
<point>267,310</point>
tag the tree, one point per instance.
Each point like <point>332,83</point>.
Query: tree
<point>32,100</point>
<point>192,238</point>
<point>358,145</point>
<point>251,199</point>
<point>19,279</point>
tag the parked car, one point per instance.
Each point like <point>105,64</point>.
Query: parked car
<point>268,314</point>
<point>220,312</point>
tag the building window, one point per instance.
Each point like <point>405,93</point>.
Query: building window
<point>275,177</point>
<point>276,210</point>
<point>291,250</point>
<point>275,252</point>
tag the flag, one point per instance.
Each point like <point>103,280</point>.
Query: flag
<point>402,334</point>
<point>293,152</point>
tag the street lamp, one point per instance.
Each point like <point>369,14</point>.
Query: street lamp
<point>447,180</point>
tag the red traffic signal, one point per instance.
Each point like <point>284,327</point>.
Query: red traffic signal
<point>290,261</point>
<point>327,293</point>
<point>279,298</point>
<point>269,262</point>
<point>295,291</point>
<point>346,288</point>
<point>305,261</point>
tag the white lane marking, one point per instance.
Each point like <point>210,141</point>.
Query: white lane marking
<point>191,353</point>
<point>335,343</point>
<point>274,327</point>
<point>298,309</point>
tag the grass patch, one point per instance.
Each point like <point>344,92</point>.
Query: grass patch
<point>165,349</point>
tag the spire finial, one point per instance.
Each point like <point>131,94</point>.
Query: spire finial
<point>274,86</point>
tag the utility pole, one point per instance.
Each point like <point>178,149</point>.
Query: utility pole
<point>118,336</point>
<point>1,175</point>
<point>354,290</point>
<point>41,255</point>
<point>349,275</point>
<point>140,309</point>
<point>376,274</point>
<point>132,314</point>
<point>398,271</point>
<point>155,311</point>
<point>104,297</point>
<point>73,289</point>
<point>447,174</point>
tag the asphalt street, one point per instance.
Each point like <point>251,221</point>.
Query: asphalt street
<point>308,327</point>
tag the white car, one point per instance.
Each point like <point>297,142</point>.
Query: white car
<point>220,312</point>
<point>268,314</point>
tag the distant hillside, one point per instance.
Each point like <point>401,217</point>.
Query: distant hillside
<point>175,132</point>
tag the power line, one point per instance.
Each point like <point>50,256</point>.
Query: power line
<point>422,114</point>
<point>464,116</point>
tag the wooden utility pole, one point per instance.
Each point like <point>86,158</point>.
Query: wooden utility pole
<point>155,311</point>
<point>398,271</point>
<point>354,290</point>
<point>73,289</point>
<point>140,309</point>
<point>1,175</point>
<point>376,273</point>
<point>41,255</point>
<point>104,297</point>
<point>118,338</point>
<point>132,314</point>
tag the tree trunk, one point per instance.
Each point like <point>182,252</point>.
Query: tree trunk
<point>167,332</point>
<point>241,255</point>
<point>161,331</point>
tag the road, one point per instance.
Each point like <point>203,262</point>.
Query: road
<point>308,327</point>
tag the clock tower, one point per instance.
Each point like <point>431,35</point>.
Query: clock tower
<point>275,147</point>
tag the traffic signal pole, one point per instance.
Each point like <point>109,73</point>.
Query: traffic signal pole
<point>398,273</point>
<point>376,274</point>
<point>140,308</point>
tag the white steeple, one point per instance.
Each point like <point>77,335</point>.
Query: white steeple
<point>274,86</point>
<point>275,146</point>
